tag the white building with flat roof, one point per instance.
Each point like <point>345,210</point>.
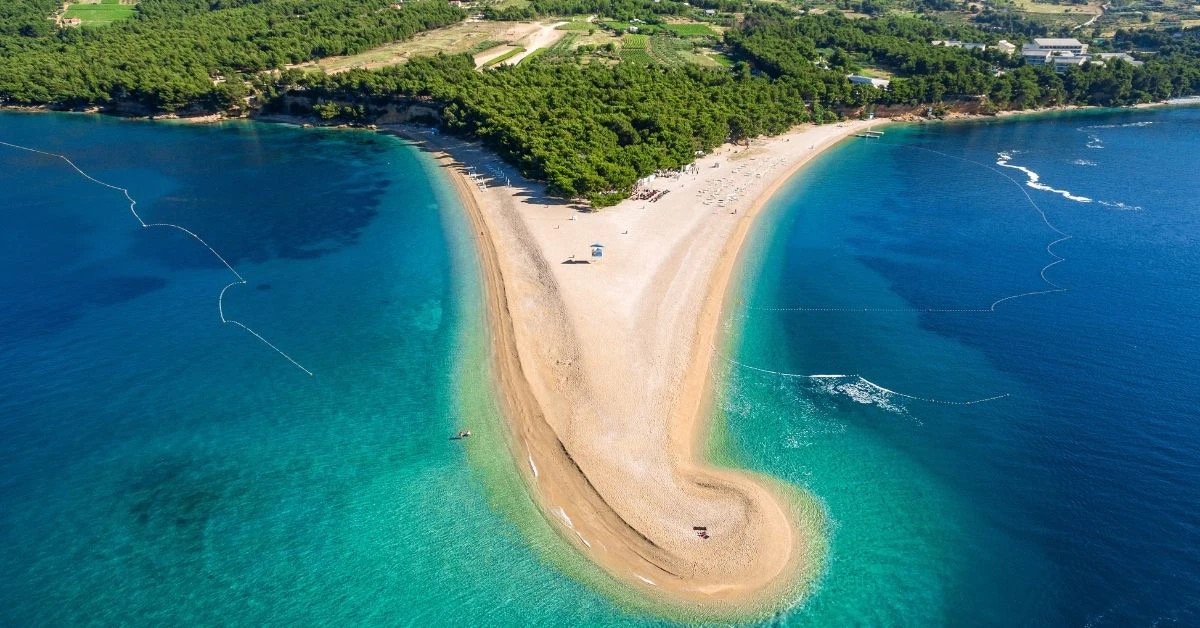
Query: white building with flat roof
<point>954,43</point>
<point>1061,53</point>
<point>1111,56</point>
<point>869,80</point>
<point>1067,45</point>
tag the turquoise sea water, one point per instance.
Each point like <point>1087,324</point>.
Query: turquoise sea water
<point>157,466</point>
<point>1070,501</point>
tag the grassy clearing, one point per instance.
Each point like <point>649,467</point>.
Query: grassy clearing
<point>691,30</point>
<point>100,13</point>
<point>486,44</point>
<point>540,52</point>
<point>577,26</point>
<point>466,37</point>
<point>719,59</point>
<point>1033,6</point>
<point>505,57</point>
<point>642,28</point>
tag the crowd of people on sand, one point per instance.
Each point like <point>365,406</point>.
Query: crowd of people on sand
<point>658,195</point>
<point>643,194</point>
<point>725,191</point>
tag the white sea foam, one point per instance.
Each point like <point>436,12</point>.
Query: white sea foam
<point>861,391</point>
<point>1126,125</point>
<point>1034,179</point>
<point>1094,140</point>
<point>1121,206</point>
<point>857,387</point>
<point>1084,162</point>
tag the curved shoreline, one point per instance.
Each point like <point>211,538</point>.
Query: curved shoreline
<point>558,406</point>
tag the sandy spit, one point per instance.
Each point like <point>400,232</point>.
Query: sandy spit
<point>603,369</point>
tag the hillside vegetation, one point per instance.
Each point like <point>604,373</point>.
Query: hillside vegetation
<point>173,53</point>
<point>589,119</point>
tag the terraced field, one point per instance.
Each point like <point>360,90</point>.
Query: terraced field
<point>670,51</point>
<point>634,49</point>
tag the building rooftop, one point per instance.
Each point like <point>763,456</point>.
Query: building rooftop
<point>1049,41</point>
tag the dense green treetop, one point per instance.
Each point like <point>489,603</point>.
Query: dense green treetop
<point>588,126</point>
<point>169,54</point>
<point>588,130</point>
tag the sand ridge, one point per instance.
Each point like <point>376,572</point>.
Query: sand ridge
<point>603,368</point>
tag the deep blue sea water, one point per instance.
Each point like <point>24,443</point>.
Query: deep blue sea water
<point>1074,499</point>
<point>157,466</point>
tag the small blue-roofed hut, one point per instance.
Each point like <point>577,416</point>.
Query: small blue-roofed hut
<point>597,250</point>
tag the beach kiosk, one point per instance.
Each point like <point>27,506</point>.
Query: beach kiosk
<point>597,250</point>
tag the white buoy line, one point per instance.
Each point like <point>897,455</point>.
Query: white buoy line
<point>1002,161</point>
<point>133,210</point>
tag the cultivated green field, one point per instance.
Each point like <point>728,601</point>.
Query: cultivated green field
<point>577,26</point>
<point>102,13</point>
<point>691,30</point>
<point>633,49</point>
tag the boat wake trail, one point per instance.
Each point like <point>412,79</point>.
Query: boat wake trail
<point>1005,161</point>
<point>239,281</point>
<point>1057,259</point>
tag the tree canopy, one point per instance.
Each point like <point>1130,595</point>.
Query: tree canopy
<point>589,127</point>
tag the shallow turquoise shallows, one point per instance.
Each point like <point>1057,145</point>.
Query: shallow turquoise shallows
<point>158,467</point>
<point>982,460</point>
